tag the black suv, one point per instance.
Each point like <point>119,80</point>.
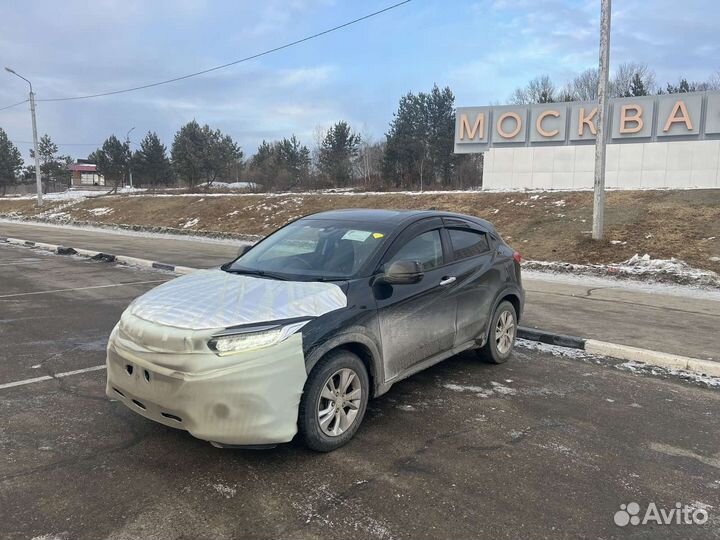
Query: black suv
<point>299,331</point>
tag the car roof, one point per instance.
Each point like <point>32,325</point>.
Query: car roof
<point>390,217</point>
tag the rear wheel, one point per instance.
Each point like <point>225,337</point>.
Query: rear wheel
<point>334,401</point>
<point>503,329</point>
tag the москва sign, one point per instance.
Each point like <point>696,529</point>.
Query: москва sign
<point>668,117</point>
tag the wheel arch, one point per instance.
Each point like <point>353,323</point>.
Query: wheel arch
<point>513,295</point>
<point>514,299</point>
<point>360,345</point>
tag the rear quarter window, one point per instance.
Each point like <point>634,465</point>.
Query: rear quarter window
<point>467,243</point>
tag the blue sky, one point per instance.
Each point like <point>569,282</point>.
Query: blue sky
<point>481,49</point>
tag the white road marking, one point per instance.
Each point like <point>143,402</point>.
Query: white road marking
<point>83,288</point>
<point>51,377</point>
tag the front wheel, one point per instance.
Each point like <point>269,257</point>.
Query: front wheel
<point>334,401</point>
<point>503,329</point>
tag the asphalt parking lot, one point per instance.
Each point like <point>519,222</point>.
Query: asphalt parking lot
<point>543,446</point>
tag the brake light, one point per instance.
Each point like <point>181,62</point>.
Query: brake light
<point>517,257</point>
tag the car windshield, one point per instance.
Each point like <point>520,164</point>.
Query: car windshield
<point>313,249</point>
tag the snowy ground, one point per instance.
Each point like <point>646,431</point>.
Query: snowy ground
<point>637,267</point>
<point>634,367</point>
<point>76,194</point>
<point>142,234</point>
<point>637,284</point>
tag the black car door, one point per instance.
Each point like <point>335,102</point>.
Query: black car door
<point>477,278</point>
<point>416,320</point>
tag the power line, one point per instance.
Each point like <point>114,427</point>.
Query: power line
<point>235,62</point>
<point>14,105</point>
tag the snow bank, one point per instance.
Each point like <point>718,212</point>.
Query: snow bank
<point>230,185</point>
<point>640,267</point>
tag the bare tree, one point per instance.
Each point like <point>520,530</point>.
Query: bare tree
<point>539,90</point>
<point>585,85</point>
<point>621,84</point>
<point>714,81</point>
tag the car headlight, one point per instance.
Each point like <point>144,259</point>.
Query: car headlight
<point>248,339</point>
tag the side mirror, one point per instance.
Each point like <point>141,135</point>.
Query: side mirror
<point>402,273</point>
<point>244,249</point>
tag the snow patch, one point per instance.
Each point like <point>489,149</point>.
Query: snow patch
<point>495,389</point>
<point>102,211</point>
<point>190,223</point>
<point>639,367</point>
<point>226,491</point>
<point>555,350</point>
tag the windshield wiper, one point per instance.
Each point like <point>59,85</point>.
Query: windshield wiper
<point>261,273</point>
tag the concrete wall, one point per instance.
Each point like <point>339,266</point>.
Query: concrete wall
<point>678,164</point>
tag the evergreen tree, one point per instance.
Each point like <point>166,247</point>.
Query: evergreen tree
<point>420,141</point>
<point>201,153</point>
<point>637,86</point>
<point>337,151</point>
<point>151,164</point>
<point>10,161</point>
<point>53,167</point>
<point>112,160</point>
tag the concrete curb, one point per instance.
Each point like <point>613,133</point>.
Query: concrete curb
<point>100,256</point>
<point>655,358</point>
<point>592,346</point>
<point>623,352</point>
<point>551,338</point>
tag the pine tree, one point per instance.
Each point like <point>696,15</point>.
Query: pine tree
<point>337,151</point>
<point>151,164</point>
<point>10,161</point>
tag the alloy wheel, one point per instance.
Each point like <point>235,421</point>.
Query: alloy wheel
<point>339,402</point>
<point>505,332</point>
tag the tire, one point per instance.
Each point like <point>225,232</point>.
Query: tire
<point>329,431</point>
<point>497,350</point>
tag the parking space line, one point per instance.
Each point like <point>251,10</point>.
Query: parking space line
<point>51,377</point>
<point>83,288</point>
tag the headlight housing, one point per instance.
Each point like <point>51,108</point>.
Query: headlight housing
<point>233,341</point>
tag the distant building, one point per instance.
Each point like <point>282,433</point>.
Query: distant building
<point>84,174</point>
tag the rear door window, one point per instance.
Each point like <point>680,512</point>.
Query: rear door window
<point>468,243</point>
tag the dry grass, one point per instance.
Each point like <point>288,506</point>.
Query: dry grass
<point>542,226</point>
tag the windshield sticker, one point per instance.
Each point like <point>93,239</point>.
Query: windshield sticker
<point>357,236</point>
<point>377,235</point>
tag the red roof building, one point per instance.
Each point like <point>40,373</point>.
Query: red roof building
<point>84,174</point>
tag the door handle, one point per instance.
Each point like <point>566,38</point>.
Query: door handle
<point>447,280</point>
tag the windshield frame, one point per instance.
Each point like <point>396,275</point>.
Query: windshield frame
<point>366,269</point>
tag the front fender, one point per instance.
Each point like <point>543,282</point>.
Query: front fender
<point>350,339</point>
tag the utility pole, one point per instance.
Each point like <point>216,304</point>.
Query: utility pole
<point>38,178</point>
<point>127,141</point>
<point>600,139</point>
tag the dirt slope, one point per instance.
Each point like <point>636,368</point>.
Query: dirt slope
<point>543,226</point>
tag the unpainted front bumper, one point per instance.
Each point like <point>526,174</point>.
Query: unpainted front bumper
<point>252,399</point>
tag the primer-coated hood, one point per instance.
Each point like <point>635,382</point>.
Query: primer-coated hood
<point>210,299</point>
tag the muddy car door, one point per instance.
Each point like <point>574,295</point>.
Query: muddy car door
<point>417,320</point>
<point>478,276</point>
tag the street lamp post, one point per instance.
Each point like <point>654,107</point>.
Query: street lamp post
<point>127,141</point>
<point>38,179</point>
